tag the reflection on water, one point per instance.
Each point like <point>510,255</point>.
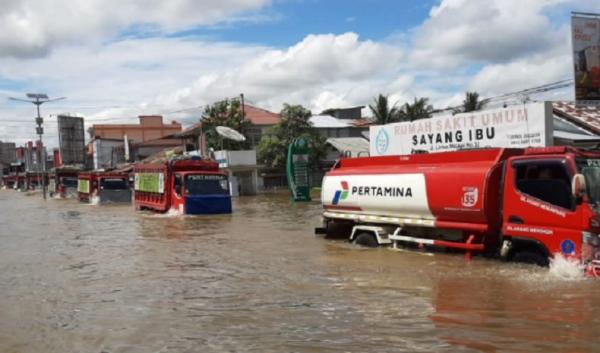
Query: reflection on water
<point>109,279</point>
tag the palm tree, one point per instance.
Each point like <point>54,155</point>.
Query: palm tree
<point>419,109</point>
<point>471,103</point>
<point>382,112</point>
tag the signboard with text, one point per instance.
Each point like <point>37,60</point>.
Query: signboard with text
<point>149,182</point>
<point>516,126</point>
<point>585,34</point>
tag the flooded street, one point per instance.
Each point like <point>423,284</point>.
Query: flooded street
<point>80,278</point>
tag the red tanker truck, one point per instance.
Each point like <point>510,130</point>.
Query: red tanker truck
<point>523,205</point>
<point>189,186</point>
<point>107,187</point>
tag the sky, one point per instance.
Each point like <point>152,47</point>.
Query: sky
<point>116,59</point>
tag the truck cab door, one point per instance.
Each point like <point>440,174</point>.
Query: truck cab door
<point>538,207</point>
<point>178,199</point>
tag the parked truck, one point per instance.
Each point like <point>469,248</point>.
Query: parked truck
<point>523,205</point>
<point>105,187</point>
<point>188,186</point>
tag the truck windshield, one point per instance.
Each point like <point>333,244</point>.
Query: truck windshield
<point>114,184</point>
<point>206,184</point>
<point>69,182</point>
<point>590,168</point>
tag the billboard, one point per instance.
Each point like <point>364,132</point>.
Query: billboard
<point>585,34</point>
<point>71,140</point>
<point>515,126</point>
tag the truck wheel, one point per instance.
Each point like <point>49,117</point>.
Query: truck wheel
<point>530,257</point>
<point>366,239</point>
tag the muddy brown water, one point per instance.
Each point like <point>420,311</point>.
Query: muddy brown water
<point>80,278</point>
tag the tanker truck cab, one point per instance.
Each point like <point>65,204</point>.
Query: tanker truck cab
<point>201,193</point>
<point>550,206</point>
<point>523,205</point>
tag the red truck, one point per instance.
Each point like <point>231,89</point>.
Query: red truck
<point>523,205</point>
<point>62,182</point>
<point>14,181</point>
<point>105,187</point>
<point>186,186</point>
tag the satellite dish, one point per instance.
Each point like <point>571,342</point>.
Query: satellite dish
<point>230,133</point>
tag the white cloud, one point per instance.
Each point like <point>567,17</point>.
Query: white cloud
<point>515,45</point>
<point>302,73</point>
<point>521,74</point>
<point>462,32</point>
<point>31,28</point>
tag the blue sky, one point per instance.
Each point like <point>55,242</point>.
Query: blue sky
<point>115,60</point>
<point>287,22</point>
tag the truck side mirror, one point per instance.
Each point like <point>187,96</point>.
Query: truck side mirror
<point>578,187</point>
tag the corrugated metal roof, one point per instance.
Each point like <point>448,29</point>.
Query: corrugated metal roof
<point>355,145</point>
<point>587,117</point>
<point>575,137</point>
<point>327,121</point>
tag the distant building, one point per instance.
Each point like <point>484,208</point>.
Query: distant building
<point>31,156</point>
<point>106,148</point>
<point>261,120</point>
<point>8,152</point>
<point>329,126</point>
<point>151,127</point>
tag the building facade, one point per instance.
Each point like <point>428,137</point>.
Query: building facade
<point>150,127</point>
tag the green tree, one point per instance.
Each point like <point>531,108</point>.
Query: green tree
<point>419,109</point>
<point>471,103</point>
<point>273,146</point>
<point>225,113</point>
<point>382,112</point>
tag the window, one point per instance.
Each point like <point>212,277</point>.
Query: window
<point>177,184</point>
<point>114,184</point>
<point>548,181</point>
<point>69,182</point>
<point>206,184</point>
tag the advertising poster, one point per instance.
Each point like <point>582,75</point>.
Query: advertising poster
<point>83,186</point>
<point>149,182</point>
<point>518,126</point>
<point>585,33</point>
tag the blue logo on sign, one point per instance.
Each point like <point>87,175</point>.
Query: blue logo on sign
<point>567,247</point>
<point>382,141</point>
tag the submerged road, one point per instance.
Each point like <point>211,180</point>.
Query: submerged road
<point>80,278</point>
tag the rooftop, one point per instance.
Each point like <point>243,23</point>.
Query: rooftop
<point>586,117</point>
<point>329,122</point>
<point>259,116</point>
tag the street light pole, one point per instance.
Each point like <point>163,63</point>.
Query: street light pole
<point>39,99</point>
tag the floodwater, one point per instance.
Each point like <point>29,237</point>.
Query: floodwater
<point>81,278</point>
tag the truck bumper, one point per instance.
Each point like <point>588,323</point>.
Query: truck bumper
<point>208,204</point>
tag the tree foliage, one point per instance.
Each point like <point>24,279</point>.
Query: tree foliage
<point>225,113</point>
<point>419,109</point>
<point>471,103</point>
<point>382,112</point>
<point>273,146</point>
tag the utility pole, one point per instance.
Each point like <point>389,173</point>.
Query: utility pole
<point>243,110</point>
<point>39,99</point>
